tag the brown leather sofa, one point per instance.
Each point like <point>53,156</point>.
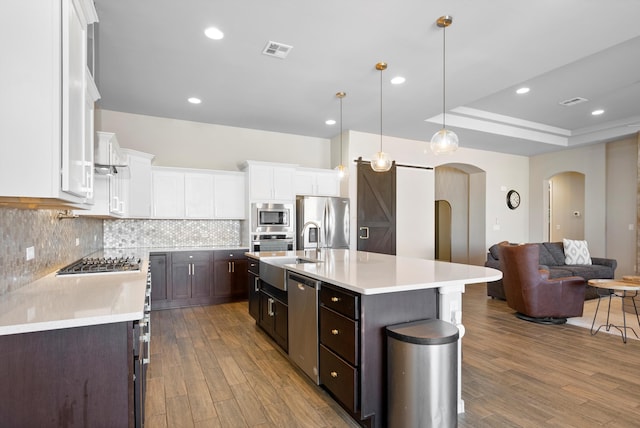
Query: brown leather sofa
<point>531,293</point>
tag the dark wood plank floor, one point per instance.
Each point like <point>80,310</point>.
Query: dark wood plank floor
<point>212,367</point>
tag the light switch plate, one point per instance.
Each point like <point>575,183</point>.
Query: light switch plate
<point>31,253</point>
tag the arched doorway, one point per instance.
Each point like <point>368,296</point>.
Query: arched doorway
<point>463,187</point>
<point>566,206</point>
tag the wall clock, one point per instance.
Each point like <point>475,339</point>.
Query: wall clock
<point>513,199</point>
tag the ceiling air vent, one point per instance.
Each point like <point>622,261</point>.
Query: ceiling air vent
<point>276,49</point>
<point>573,101</point>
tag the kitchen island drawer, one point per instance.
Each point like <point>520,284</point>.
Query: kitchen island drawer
<point>340,378</point>
<point>340,334</point>
<point>340,301</point>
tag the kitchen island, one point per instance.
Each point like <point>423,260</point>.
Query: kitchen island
<point>378,290</point>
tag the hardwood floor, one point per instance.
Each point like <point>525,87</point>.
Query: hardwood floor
<point>212,367</point>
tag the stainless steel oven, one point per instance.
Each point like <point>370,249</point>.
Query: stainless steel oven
<point>272,242</point>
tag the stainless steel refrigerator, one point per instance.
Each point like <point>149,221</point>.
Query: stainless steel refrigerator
<point>326,220</point>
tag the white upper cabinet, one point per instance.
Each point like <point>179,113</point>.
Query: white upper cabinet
<point>181,193</point>
<point>198,195</point>
<point>168,193</point>
<point>46,107</point>
<point>110,196</point>
<point>267,182</point>
<point>229,196</point>
<point>317,182</point>
<point>138,186</point>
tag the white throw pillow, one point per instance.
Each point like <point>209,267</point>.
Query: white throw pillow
<point>576,252</point>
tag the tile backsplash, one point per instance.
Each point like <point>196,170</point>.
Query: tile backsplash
<point>53,240</point>
<point>171,233</point>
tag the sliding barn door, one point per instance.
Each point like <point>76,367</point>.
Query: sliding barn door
<point>376,209</point>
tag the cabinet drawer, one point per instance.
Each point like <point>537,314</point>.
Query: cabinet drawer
<point>190,256</point>
<point>254,266</point>
<point>340,334</point>
<point>340,378</point>
<point>229,254</point>
<point>340,301</point>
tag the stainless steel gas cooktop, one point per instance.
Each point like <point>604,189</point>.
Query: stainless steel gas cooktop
<point>94,265</point>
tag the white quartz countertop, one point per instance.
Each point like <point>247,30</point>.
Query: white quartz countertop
<point>55,302</point>
<point>372,273</point>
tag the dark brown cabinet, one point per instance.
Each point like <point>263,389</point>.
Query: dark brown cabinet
<point>274,315</point>
<point>352,344</point>
<point>230,275</point>
<point>159,266</point>
<point>253,288</point>
<point>80,376</point>
<point>339,345</point>
<point>192,276</point>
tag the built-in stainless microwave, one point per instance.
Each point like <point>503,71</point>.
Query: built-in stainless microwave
<point>268,217</point>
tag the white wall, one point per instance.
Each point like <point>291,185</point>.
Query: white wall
<point>590,161</point>
<point>567,198</point>
<point>181,143</point>
<point>622,163</point>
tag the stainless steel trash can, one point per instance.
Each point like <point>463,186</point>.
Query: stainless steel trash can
<point>422,374</point>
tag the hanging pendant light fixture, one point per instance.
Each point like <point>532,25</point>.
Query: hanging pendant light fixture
<point>445,140</point>
<point>381,161</point>
<point>343,171</point>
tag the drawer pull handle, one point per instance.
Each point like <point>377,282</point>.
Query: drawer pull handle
<point>334,374</point>
<point>335,332</point>
<point>335,299</point>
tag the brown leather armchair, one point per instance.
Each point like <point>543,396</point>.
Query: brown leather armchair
<point>532,294</point>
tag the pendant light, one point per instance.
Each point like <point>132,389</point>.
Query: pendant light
<point>445,140</point>
<point>343,171</point>
<point>381,161</point>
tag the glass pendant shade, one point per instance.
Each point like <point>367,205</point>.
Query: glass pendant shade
<point>381,162</point>
<point>343,171</point>
<point>444,141</point>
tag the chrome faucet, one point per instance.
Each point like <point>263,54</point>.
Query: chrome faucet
<point>304,228</point>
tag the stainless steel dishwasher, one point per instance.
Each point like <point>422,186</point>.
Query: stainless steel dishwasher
<point>303,323</point>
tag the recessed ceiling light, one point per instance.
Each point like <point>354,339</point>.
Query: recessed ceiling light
<point>597,112</point>
<point>522,90</point>
<point>213,33</point>
<point>398,80</point>
<point>194,100</point>
<point>330,122</point>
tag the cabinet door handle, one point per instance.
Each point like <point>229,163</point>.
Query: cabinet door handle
<point>256,284</point>
<point>233,267</point>
<point>189,266</point>
<point>335,332</point>
<point>270,307</point>
<point>335,299</point>
<point>229,267</point>
<point>364,229</point>
<point>334,374</point>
